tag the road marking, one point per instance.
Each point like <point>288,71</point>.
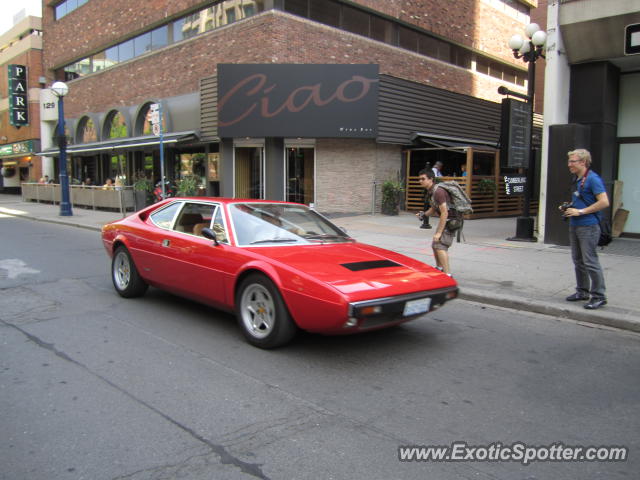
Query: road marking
<point>16,267</point>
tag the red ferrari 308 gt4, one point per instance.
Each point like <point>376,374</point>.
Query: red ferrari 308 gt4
<point>279,266</point>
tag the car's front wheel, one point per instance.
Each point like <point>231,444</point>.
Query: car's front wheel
<point>262,314</point>
<point>125,276</point>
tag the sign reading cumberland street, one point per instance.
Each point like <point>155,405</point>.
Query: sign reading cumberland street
<point>266,100</point>
<point>18,101</point>
<point>514,185</point>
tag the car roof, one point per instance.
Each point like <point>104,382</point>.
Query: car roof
<point>229,200</point>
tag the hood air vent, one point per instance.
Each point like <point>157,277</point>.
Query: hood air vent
<point>370,265</point>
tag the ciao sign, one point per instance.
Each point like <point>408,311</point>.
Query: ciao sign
<point>18,106</point>
<point>297,100</point>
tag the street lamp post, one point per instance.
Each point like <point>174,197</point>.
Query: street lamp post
<point>529,50</point>
<point>60,89</point>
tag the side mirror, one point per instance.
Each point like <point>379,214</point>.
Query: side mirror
<point>210,234</point>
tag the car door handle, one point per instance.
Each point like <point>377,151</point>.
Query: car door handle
<point>166,242</point>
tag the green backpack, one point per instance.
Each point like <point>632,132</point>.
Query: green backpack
<point>460,202</point>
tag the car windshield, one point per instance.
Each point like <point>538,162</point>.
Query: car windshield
<point>281,224</point>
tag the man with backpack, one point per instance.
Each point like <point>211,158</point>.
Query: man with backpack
<point>589,197</point>
<point>440,203</point>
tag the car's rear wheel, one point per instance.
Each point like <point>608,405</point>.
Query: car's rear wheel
<point>125,276</point>
<point>262,314</point>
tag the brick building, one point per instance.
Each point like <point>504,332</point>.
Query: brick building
<point>20,84</point>
<point>433,67</point>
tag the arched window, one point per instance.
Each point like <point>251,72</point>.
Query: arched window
<point>116,126</point>
<point>67,133</point>
<point>144,121</point>
<point>87,132</point>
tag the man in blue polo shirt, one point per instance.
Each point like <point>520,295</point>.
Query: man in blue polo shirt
<point>589,197</point>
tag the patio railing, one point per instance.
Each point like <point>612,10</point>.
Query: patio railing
<point>120,198</point>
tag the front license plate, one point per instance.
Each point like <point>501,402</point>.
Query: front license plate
<point>413,307</point>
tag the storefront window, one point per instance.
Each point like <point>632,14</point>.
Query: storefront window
<point>117,170</point>
<point>193,164</point>
<point>148,166</point>
<point>300,179</point>
<point>213,167</point>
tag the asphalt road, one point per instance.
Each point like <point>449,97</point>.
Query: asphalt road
<point>93,386</point>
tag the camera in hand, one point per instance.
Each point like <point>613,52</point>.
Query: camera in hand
<point>563,208</point>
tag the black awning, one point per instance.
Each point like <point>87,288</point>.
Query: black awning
<point>451,143</point>
<point>123,143</point>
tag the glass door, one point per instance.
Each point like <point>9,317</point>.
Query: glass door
<point>300,180</point>
<point>249,172</point>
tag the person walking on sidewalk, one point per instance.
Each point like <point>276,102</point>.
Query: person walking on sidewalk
<point>589,197</point>
<point>439,203</point>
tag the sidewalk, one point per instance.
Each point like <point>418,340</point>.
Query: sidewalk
<point>532,277</point>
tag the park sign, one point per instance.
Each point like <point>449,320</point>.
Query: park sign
<point>18,100</point>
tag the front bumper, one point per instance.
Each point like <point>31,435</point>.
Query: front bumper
<point>382,312</point>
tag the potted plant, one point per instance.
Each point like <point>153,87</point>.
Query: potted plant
<point>188,186</point>
<point>142,190</point>
<point>391,196</point>
<point>486,185</point>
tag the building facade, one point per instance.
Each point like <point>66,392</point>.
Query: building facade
<point>592,101</point>
<point>20,84</point>
<point>433,69</point>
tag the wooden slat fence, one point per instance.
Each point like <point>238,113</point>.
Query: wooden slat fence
<point>486,202</point>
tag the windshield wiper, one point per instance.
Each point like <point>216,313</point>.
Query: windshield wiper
<point>325,236</point>
<point>276,240</point>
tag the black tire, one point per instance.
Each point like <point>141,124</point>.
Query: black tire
<point>125,276</point>
<point>262,315</point>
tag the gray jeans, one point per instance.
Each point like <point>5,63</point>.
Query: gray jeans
<point>589,276</point>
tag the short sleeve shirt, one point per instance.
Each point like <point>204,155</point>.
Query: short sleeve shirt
<point>440,196</point>
<point>585,195</point>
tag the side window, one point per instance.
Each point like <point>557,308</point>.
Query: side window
<point>194,217</point>
<point>164,218</point>
<point>218,226</point>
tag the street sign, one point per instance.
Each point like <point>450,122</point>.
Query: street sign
<point>514,185</point>
<point>154,118</point>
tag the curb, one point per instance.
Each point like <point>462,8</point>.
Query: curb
<point>623,320</point>
<point>51,220</point>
